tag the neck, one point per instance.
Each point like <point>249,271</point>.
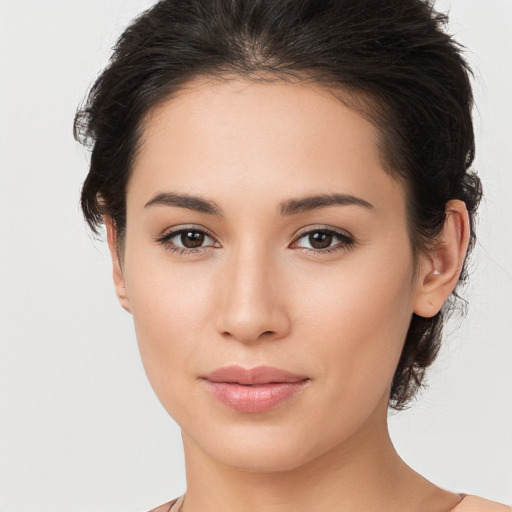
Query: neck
<point>362,473</point>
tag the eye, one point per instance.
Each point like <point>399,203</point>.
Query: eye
<point>187,240</point>
<point>324,240</point>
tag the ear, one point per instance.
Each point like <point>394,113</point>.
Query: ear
<point>440,269</point>
<point>119,283</point>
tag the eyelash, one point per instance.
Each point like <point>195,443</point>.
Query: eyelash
<point>345,241</point>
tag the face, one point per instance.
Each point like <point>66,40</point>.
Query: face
<point>262,231</point>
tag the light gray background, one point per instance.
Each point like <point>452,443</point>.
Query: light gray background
<point>80,429</point>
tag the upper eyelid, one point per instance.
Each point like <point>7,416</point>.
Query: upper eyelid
<point>309,229</point>
<point>172,232</point>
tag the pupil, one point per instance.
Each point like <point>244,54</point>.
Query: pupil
<point>320,240</point>
<point>192,239</point>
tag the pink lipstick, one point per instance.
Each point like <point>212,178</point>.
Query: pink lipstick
<point>256,390</point>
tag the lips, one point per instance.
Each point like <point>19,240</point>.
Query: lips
<point>256,390</point>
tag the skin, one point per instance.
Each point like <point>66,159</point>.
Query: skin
<point>258,293</point>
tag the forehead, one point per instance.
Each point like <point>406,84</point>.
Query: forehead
<point>263,140</point>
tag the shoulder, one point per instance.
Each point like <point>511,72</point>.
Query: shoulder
<point>468,504</point>
<point>166,507</point>
<point>476,504</point>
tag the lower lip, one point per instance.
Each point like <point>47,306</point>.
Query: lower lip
<point>256,398</point>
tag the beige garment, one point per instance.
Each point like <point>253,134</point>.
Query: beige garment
<point>173,506</point>
<point>468,504</point>
<point>177,505</point>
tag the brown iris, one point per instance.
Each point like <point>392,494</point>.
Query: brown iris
<point>192,239</point>
<point>320,240</point>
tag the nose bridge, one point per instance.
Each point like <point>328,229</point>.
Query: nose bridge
<point>251,306</point>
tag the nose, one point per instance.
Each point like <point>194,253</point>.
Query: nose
<point>252,302</point>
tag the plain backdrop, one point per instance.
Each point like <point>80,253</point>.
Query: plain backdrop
<point>80,428</point>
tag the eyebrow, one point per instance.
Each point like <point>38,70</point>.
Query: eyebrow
<point>289,207</point>
<point>294,206</point>
<point>195,203</point>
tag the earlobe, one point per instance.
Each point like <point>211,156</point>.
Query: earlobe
<point>117,270</point>
<point>441,268</point>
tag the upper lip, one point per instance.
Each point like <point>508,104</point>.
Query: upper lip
<point>257,375</point>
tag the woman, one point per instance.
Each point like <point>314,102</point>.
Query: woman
<point>289,204</point>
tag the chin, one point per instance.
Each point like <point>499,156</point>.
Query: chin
<point>253,458</point>
<point>262,448</point>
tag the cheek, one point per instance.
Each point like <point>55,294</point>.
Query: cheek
<point>359,325</point>
<point>367,296</point>
<point>170,307</point>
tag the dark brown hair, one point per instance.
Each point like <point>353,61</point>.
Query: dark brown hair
<point>389,59</point>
